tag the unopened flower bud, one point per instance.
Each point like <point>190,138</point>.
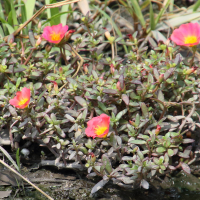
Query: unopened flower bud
<point>132,123</point>
<point>161,78</point>
<point>112,69</point>
<point>190,71</point>
<point>118,86</point>
<point>102,75</point>
<point>107,34</point>
<point>39,25</point>
<point>131,39</point>
<point>83,19</point>
<point>38,42</point>
<point>61,70</point>
<point>157,131</point>
<point>48,48</point>
<point>135,40</point>
<point>3,68</point>
<point>170,49</point>
<point>109,37</point>
<point>163,46</point>
<point>69,34</point>
<point>135,149</point>
<point>11,39</point>
<point>93,157</point>
<point>85,68</point>
<point>55,84</point>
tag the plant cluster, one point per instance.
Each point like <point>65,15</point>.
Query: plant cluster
<point>120,116</point>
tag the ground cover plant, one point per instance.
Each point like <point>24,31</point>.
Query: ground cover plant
<point>123,108</point>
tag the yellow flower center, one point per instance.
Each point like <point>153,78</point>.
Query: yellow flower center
<point>99,130</point>
<point>23,101</point>
<point>190,39</point>
<point>55,36</point>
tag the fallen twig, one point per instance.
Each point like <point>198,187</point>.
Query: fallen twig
<point>14,171</point>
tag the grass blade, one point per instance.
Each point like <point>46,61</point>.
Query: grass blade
<point>152,21</point>
<point>29,5</point>
<point>48,10</point>
<point>113,24</point>
<point>24,18</point>
<point>160,14</point>
<point>138,13</point>
<point>196,5</point>
<point>1,33</point>
<point>3,29</point>
<point>63,17</point>
<point>18,159</point>
<point>14,16</point>
<point>56,16</point>
<point>171,6</point>
<point>7,6</point>
<point>54,11</point>
<point>9,27</point>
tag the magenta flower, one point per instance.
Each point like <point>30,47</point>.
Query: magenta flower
<point>55,33</point>
<point>187,35</point>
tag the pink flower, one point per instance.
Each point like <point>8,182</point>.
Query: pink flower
<point>22,98</point>
<point>55,33</point>
<point>98,126</point>
<point>187,35</point>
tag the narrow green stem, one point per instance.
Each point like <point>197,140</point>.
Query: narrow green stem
<point>194,49</point>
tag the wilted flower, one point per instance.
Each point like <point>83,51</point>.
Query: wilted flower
<point>55,33</point>
<point>22,98</point>
<point>187,35</point>
<point>98,126</point>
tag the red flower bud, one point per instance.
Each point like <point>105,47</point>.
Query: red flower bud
<point>190,71</point>
<point>55,84</point>
<point>93,157</point>
<point>118,86</point>
<point>112,69</point>
<point>161,78</point>
<point>130,37</point>
<point>85,67</point>
<point>157,131</point>
<point>69,34</point>
<point>60,70</point>
<point>38,42</point>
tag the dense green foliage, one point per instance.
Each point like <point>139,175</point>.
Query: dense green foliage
<point>151,85</point>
